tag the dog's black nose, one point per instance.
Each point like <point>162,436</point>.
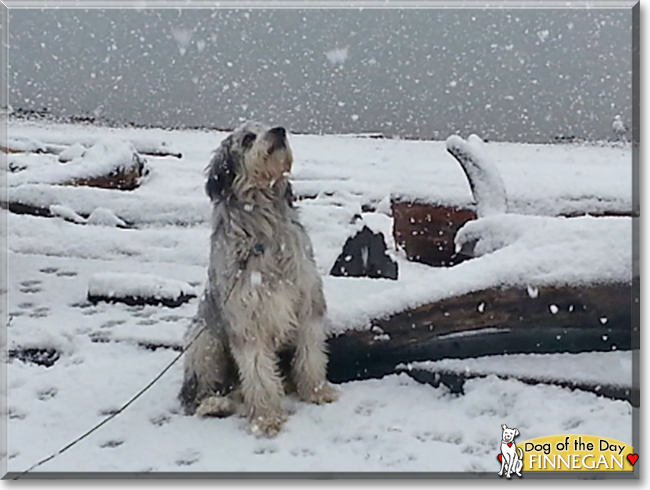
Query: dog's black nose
<point>278,132</point>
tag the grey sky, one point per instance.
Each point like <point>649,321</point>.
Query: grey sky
<point>518,75</point>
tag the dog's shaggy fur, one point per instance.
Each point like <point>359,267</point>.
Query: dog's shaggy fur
<point>263,293</point>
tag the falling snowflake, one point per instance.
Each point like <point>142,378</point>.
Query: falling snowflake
<point>542,35</point>
<point>183,38</point>
<point>337,56</point>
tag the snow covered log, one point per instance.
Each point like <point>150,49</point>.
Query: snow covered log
<point>138,289</point>
<point>426,231</point>
<point>99,216</point>
<point>25,144</point>
<point>602,373</point>
<point>108,164</point>
<point>489,322</point>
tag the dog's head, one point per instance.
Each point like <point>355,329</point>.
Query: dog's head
<point>254,156</point>
<point>508,434</point>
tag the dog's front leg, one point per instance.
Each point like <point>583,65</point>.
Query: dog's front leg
<point>261,385</point>
<point>309,366</point>
<point>509,464</point>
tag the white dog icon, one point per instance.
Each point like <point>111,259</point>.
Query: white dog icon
<point>510,460</point>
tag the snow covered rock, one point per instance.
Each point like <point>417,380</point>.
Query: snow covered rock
<point>105,217</point>
<point>364,255</point>
<point>67,214</point>
<point>138,289</point>
<point>484,178</point>
<point>72,152</point>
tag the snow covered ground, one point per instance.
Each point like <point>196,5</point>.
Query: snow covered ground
<point>107,352</point>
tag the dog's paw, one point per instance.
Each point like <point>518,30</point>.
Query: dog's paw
<point>267,425</point>
<point>216,406</point>
<point>324,393</point>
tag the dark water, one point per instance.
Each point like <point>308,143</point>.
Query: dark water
<point>517,75</point>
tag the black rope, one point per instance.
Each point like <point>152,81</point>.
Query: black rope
<point>114,414</point>
<point>143,390</point>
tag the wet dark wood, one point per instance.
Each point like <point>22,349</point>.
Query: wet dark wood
<point>20,208</point>
<point>597,318</point>
<point>515,308</point>
<point>426,232</point>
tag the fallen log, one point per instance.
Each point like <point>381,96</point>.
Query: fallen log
<point>58,211</point>
<point>493,321</point>
<point>142,300</point>
<point>20,208</point>
<point>109,164</point>
<point>138,289</point>
<point>125,178</point>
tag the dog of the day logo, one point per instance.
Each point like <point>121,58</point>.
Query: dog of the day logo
<point>573,452</point>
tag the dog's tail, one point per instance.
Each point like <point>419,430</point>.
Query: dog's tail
<point>521,453</point>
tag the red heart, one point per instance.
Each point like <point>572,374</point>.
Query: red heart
<point>499,457</point>
<point>631,458</point>
<point>509,444</point>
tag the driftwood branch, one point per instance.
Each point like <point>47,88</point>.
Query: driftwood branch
<point>493,321</point>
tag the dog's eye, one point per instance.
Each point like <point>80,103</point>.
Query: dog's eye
<point>248,140</point>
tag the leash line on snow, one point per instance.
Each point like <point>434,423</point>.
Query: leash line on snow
<point>242,266</point>
<point>115,414</point>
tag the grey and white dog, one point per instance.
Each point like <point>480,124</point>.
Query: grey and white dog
<point>263,293</point>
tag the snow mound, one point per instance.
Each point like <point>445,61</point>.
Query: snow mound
<point>484,178</point>
<point>114,285</point>
<point>72,153</point>
<point>105,217</point>
<point>487,235</point>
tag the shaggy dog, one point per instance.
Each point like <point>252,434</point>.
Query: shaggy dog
<point>263,294</point>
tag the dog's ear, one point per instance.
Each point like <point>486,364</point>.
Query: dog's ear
<point>504,426</point>
<point>516,432</point>
<point>221,172</point>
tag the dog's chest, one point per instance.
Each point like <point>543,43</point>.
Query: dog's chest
<point>270,244</point>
